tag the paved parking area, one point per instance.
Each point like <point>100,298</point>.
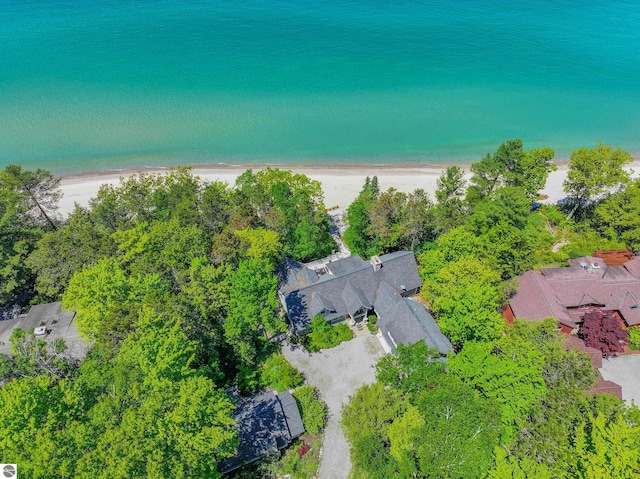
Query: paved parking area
<point>625,371</point>
<point>337,373</point>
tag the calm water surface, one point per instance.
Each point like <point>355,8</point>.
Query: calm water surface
<point>116,84</point>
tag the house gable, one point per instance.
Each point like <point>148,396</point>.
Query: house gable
<point>355,300</point>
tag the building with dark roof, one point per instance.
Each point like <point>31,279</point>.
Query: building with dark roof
<point>351,289</point>
<point>588,283</point>
<point>48,322</point>
<point>266,424</point>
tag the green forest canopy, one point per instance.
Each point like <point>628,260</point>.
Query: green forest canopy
<point>173,282</point>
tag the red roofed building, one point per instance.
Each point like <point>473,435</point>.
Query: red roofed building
<point>609,280</point>
<point>588,283</point>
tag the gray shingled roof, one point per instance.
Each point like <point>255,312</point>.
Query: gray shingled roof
<point>291,414</point>
<point>407,322</point>
<point>347,265</point>
<point>354,299</point>
<point>398,269</point>
<point>294,275</point>
<point>57,322</point>
<point>266,424</point>
<point>319,304</point>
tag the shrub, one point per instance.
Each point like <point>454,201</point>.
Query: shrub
<point>279,374</point>
<point>312,410</point>
<point>372,325</point>
<point>634,337</point>
<point>343,333</point>
<point>302,450</point>
<point>325,336</point>
<point>603,331</point>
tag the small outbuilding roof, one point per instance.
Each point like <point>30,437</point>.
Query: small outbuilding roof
<point>266,423</point>
<point>291,414</point>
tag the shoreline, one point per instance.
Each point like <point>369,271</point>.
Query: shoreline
<point>298,167</point>
<point>287,165</point>
<point>341,184</point>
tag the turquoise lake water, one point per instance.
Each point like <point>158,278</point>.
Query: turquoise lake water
<point>116,84</point>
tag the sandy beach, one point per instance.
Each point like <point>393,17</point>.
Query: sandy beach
<point>341,184</point>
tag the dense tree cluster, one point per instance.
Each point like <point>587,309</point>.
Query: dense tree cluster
<point>522,377</point>
<point>173,280</point>
<point>380,222</point>
<point>510,409</point>
<point>594,172</point>
<point>28,200</point>
<point>174,287</point>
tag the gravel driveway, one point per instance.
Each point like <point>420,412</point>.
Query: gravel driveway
<point>337,373</point>
<point>625,371</point>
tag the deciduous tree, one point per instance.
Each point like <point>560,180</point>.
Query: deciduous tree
<point>619,215</point>
<point>464,295</point>
<point>594,171</point>
<point>603,331</point>
<point>508,372</point>
<point>366,420</point>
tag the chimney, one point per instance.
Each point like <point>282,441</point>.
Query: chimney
<point>376,263</point>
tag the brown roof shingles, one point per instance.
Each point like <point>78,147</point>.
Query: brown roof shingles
<point>551,291</point>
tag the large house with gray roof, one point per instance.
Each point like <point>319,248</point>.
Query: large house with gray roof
<point>352,288</point>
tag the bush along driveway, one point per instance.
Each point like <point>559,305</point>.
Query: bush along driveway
<point>337,373</point>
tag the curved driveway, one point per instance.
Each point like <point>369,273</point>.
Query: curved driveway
<point>337,373</point>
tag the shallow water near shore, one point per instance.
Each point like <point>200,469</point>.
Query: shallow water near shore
<point>121,84</point>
